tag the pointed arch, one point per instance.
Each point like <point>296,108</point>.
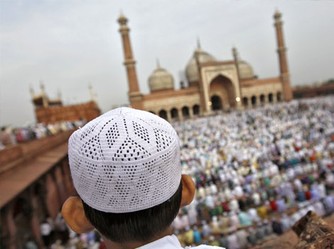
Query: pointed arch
<point>185,112</point>
<point>163,114</point>
<point>279,96</point>
<point>196,109</point>
<point>216,103</point>
<point>253,100</point>
<point>222,87</point>
<point>245,101</point>
<point>174,113</point>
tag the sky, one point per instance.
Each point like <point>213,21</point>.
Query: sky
<point>71,44</point>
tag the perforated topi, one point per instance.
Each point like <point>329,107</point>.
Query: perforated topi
<point>125,160</point>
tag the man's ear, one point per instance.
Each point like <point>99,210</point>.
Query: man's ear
<point>74,215</point>
<point>188,190</point>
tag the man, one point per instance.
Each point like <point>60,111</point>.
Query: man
<point>126,169</point>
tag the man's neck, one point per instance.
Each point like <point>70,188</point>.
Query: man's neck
<point>135,244</point>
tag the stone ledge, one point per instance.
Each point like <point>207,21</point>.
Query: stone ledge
<point>14,156</point>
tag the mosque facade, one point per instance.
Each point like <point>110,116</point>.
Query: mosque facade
<point>50,111</point>
<point>212,85</point>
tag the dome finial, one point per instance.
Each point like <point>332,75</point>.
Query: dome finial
<point>158,63</point>
<point>41,84</point>
<point>198,43</point>
<point>122,19</point>
<point>235,53</point>
<point>91,91</point>
<point>277,14</point>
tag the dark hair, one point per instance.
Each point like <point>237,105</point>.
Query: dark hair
<point>141,225</point>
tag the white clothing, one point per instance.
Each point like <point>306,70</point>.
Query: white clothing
<point>192,216</point>
<point>242,238</point>
<point>234,205</point>
<point>177,223</point>
<point>184,221</point>
<point>228,194</point>
<point>209,201</point>
<point>208,190</point>
<point>201,192</point>
<point>206,230</point>
<point>253,214</point>
<point>330,178</point>
<point>234,220</point>
<point>322,190</point>
<point>238,192</point>
<point>45,229</point>
<point>319,208</point>
<point>170,242</point>
<point>298,184</point>
<point>256,198</point>
<point>232,241</point>
<point>214,189</point>
<point>286,222</point>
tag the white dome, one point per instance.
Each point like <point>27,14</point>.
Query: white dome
<point>245,70</point>
<point>192,68</point>
<point>160,79</point>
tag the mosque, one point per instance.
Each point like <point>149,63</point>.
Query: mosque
<point>212,85</point>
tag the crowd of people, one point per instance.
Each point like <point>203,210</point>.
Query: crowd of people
<point>11,136</point>
<point>256,172</point>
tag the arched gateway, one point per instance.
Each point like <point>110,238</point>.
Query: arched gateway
<point>222,93</point>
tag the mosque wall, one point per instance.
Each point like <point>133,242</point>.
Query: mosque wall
<point>313,91</point>
<point>171,102</point>
<point>258,90</point>
<point>86,111</point>
<point>262,93</point>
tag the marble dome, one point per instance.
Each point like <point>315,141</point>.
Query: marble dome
<point>246,70</point>
<point>192,69</point>
<point>160,79</point>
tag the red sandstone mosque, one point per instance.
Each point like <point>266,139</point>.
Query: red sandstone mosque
<point>213,85</point>
<point>53,110</point>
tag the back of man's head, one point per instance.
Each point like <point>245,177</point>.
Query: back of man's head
<point>126,169</point>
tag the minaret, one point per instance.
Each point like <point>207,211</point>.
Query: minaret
<point>135,96</point>
<point>203,101</point>
<point>236,63</point>
<point>44,97</point>
<point>282,57</point>
<point>91,92</point>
